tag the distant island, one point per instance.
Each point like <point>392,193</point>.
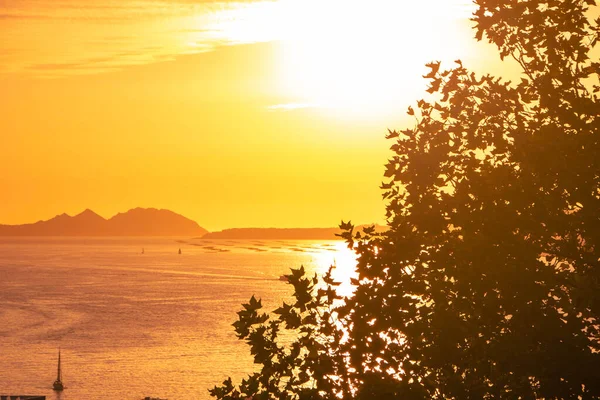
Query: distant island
<point>135,222</point>
<point>158,222</point>
<point>280,233</point>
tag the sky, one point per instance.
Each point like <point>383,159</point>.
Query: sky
<point>234,114</point>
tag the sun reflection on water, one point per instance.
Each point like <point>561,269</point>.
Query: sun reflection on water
<point>343,259</point>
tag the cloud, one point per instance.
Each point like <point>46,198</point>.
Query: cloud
<point>58,36</point>
<point>58,66</point>
<point>98,64</point>
<point>11,16</point>
<point>96,10</point>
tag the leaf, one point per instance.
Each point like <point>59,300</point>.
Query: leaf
<point>392,134</point>
<point>434,67</point>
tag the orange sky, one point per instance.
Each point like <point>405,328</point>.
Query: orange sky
<point>234,114</point>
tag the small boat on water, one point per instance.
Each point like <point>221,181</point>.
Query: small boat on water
<point>58,385</point>
<point>179,251</point>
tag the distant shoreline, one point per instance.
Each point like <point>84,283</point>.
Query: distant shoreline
<point>152,222</point>
<point>275,234</point>
<point>281,233</point>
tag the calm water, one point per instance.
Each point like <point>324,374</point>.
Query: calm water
<point>132,325</point>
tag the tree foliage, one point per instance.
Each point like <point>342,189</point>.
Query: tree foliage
<point>487,283</point>
<point>298,350</point>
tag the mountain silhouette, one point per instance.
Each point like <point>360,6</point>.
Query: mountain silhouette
<point>135,222</point>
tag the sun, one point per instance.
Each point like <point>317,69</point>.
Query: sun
<point>360,57</point>
<point>366,57</point>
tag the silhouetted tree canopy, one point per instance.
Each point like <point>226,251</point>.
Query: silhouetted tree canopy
<point>487,283</point>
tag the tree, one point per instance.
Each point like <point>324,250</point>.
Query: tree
<point>487,283</point>
<point>308,366</point>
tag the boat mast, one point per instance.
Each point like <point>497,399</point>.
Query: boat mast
<point>58,385</point>
<point>58,374</point>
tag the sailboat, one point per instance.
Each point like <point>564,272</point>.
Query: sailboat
<point>58,385</point>
<point>179,251</point>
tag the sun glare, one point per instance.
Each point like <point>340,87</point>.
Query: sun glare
<point>344,261</point>
<point>358,56</point>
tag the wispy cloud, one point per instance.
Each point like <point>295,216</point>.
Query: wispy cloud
<point>60,37</point>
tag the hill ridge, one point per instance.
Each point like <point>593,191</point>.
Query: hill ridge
<point>134,222</point>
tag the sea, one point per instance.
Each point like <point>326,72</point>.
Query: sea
<point>133,318</point>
